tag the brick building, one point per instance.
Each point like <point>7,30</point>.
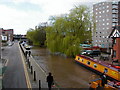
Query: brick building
<point>7,34</point>
<point>115,51</point>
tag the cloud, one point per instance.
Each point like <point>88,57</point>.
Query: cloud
<point>55,7</point>
<point>21,19</point>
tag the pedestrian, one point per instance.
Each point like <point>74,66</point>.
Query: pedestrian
<point>103,79</point>
<point>26,53</point>
<point>29,53</point>
<point>50,81</point>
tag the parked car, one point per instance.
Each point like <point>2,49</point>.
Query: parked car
<point>85,52</point>
<point>10,43</point>
<point>91,53</point>
<point>2,48</point>
<point>94,53</point>
<point>27,46</point>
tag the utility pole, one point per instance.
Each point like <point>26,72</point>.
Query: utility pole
<point>0,42</point>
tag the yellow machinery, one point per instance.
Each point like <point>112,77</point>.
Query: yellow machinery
<point>96,84</point>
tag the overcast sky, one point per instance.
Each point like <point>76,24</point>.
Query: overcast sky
<point>21,15</point>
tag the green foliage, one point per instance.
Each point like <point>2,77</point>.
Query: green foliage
<point>37,36</point>
<point>4,41</point>
<point>65,32</point>
<point>68,31</point>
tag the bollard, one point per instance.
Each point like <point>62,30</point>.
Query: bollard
<point>26,52</point>
<point>39,85</point>
<point>34,76</point>
<point>31,70</point>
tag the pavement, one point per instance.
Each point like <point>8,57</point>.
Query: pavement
<point>40,73</point>
<point>18,74</point>
<point>14,75</point>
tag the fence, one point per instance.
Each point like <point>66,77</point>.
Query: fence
<point>39,74</point>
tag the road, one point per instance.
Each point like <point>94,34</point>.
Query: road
<point>14,76</point>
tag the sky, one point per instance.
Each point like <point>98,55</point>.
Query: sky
<point>21,15</point>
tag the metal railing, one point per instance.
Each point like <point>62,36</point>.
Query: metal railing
<point>40,67</point>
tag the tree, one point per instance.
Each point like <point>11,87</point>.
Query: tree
<point>37,36</point>
<point>69,31</point>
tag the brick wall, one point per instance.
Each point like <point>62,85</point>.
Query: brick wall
<point>116,47</point>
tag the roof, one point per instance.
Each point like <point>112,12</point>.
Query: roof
<point>8,30</point>
<point>101,62</point>
<point>115,32</point>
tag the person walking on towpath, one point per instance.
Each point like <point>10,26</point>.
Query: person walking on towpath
<point>26,53</point>
<point>50,81</point>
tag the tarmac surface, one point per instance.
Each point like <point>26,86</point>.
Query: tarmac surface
<point>14,76</point>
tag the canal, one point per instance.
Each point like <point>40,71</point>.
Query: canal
<point>67,73</point>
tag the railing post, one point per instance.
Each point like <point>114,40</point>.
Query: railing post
<point>39,85</point>
<point>34,76</point>
<point>29,64</point>
<point>31,70</point>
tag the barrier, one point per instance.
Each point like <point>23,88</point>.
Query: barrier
<point>34,76</point>
<point>39,85</point>
<point>31,70</point>
<point>29,64</point>
<point>31,67</point>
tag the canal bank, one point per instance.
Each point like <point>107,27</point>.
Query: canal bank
<point>66,72</point>
<point>36,72</point>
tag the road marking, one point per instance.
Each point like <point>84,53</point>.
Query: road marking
<point>6,63</point>
<point>25,70</point>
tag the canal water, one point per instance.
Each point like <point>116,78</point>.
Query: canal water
<point>67,73</point>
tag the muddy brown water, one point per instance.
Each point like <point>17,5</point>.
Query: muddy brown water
<point>67,73</point>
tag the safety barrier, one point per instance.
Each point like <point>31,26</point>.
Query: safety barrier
<point>30,60</point>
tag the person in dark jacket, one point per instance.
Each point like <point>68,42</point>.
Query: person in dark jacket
<point>50,80</point>
<point>26,53</point>
<point>104,79</point>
